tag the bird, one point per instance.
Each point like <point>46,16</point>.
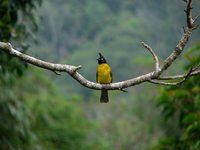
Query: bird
<point>103,76</point>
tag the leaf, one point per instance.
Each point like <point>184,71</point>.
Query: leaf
<point>197,145</point>
<point>189,118</point>
<point>193,127</point>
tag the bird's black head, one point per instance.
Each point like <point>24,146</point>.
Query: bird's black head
<point>101,59</point>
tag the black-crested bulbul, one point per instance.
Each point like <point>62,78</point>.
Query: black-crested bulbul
<point>103,76</point>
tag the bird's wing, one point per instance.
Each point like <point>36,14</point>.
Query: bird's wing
<point>111,76</point>
<point>97,76</point>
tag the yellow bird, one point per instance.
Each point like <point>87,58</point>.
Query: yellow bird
<point>103,76</point>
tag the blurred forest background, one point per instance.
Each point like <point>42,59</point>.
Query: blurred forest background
<point>40,110</point>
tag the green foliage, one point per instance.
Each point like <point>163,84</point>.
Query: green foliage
<point>16,21</point>
<point>181,109</point>
<point>57,123</point>
<point>15,123</point>
<point>15,127</point>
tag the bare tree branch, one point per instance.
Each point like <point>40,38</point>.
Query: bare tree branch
<point>189,14</point>
<point>194,73</point>
<point>184,39</point>
<point>153,77</point>
<point>155,57</point>
<point>178,49</point>
<point>173,83</point>
<point>166,83</point>
<point>72,71</point>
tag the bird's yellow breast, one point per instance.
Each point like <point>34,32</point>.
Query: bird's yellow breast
<point>104,75</point>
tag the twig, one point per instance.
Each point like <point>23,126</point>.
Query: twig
<point>194,73</point>
<point>174,83</point>
<point>155,57</point>
<point>166,83</point>
<point>123,90</point>
<point>57,73</point>
<point>196,18</point>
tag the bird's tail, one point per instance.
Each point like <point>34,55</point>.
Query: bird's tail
<point>104,96</point>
